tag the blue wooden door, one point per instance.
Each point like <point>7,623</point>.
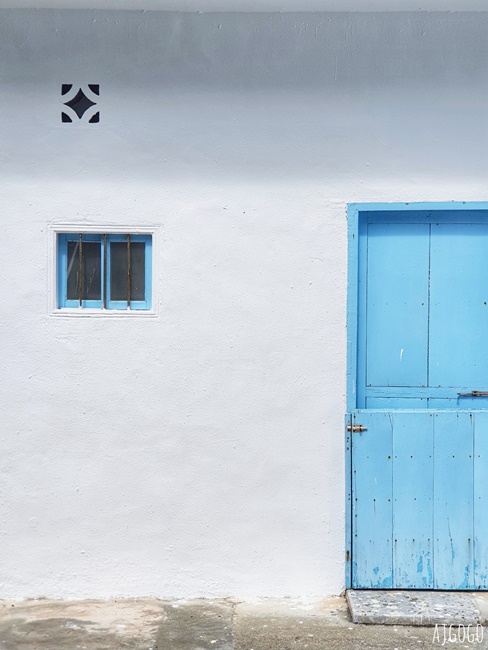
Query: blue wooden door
<point>419,434</point>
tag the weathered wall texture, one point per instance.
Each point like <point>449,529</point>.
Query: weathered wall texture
<point>255,5</point>
<point>201,452</point>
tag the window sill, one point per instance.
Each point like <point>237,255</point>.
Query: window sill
<point>102,313</point>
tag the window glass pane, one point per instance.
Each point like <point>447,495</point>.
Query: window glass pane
<point>92,279</point>
<point>91,271</point>
<point>137,271</point>
<point>73,267</point>
<point>118,271</point>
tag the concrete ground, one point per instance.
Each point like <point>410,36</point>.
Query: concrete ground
<point>266,624</point>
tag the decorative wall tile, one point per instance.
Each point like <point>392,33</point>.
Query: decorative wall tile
<point>80,103</point>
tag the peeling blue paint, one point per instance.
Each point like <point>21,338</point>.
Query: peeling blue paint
<point>422,515</point>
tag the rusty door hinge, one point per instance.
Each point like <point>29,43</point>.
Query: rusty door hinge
<point>356,428</point>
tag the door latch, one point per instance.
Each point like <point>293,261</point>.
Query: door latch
<point>475,393</point>
<point>356,428</point>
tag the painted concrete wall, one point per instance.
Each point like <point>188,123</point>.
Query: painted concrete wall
<point>253,5</point>
<point>201,452</point>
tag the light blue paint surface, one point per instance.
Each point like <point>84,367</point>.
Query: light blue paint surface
<point>62,261</point>
<point>458,349</point>
<point>419,499</point>
<point>372,501</point>
<point>413,477</point>
<point>453,499</point>
<point>417,337</point>
<point>480,499</point>
<point>397,290</point>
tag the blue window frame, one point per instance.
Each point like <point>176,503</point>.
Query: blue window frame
<point>104,271</point>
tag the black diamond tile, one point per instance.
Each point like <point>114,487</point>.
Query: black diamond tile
<point>80,103</point>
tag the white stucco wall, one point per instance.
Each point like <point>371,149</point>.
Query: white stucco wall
<point>201,452</point>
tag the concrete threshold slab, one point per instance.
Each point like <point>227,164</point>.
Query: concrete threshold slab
<point>427,608</point>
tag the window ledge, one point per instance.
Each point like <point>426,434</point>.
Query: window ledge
<point>103,313</point>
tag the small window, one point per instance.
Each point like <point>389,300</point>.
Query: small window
<point>104,271</point>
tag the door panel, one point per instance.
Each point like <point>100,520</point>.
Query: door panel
<point>372,502</point>
<point>453,499</point>
<point>413,508</point>
<point>480,499</point>
<point>397,304</point>
<point>420,515</point>
<point>458,346</point>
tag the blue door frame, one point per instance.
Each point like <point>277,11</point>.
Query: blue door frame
<point>358,216</point>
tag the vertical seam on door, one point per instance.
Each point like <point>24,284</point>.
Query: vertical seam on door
<point>428,312</point>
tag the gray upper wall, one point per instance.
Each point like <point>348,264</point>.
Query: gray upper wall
<point>255,5</point>
<point>230,50</point>
<point>243,97</point>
